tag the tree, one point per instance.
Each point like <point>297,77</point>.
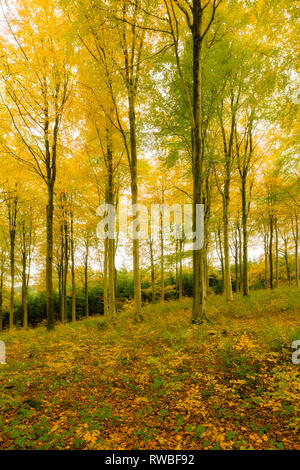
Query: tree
<point>199,25</point>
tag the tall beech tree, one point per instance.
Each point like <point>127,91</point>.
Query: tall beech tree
<point>199,17</point>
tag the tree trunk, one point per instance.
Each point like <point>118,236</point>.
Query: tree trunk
<point>12,234</point>
<point>296,240</point>
<point>176,269</point>
<point>286,257</point>
<point>227,272</point>
<point>64,256</point>
<point>221,256</point>
<point>111,241</point>
<point>66,265</point>
<point>199,302</point>
<point>180,268</point>
<point>49,258</point>
<point>105,296</point>
<point>236,260</point>
<point>134,197</point>
<point>241,285</point>
<point>266,258</point>
<point>271,252</point>
<point>276,253</point>
<point>12,217</point>
<point>297,254</point>
<point>111,278</point>
<point>162,255</point>
<point>73,269</point>
<point>24,277</point>
<point>86,290</point>
<point>62,277</point>
<point>245,240</point>
<point>152,270</point>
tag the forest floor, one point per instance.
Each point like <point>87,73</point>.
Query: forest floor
<point>162,384</point>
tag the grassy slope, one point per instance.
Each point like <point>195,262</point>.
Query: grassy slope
<point>164,384</point>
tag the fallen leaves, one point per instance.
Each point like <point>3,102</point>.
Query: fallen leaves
<point>178,388</point>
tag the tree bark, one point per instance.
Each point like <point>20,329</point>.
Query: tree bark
<point>49,258</point>
<point>12,215</point>
<point>105,295</point>
<point>271,252</point>
<point>73,269</point>
<point>276,253</point>
<point>241,284</point>
<point>152,270</point>
<point>227,271</point>
<point>199,301</point>
<point>111,241</point>
<point>134,197</point>
<point>266,257</point>
<point>296,240</point>
<point>86,290</point>
<point>286,258</point>
<point>162,255</point>
<point>245,239</point>
<point>220,253</point>
<point>180,268</point>
<point>24,277</point>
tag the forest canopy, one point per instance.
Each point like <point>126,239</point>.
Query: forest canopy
<point>155,103</point>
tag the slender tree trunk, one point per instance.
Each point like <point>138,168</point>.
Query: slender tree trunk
<point>66,265</point>
<point>266,258</point>
<point>62,277</point>
<point>297,255</point>
<point>207,214</point>
<point>199,301</point>
<point>245,240</point>
<point>49,259</point>
<point>86,290</point>
<point>176,269</point>
<point>73,269</point>
<point>276,253</point>
<point>205,266</point>
<point>105,296</point>
<point>24,294</point>
<point>180,267</point>
<point>59,273</point>
<point>12,277</point>
<point>111,277</point>
<point>24,277</point>
<point>296,239</point>
<point>64,256</point>
<point>111,241</point>
<point>12,217</point>
<point>236,259</point>
<point>162,254</point>
<point>152,270</point>
<point>228,286</point>
<point>134,196</point>
<point>241,286</point>
<point>271,252</point>
<point>221,256</point>
<point>286,257</point>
